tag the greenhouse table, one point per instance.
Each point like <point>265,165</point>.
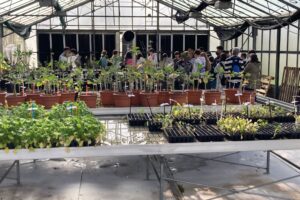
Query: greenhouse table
<point>148,150</point>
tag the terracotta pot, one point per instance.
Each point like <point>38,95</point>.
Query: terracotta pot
<point>136,101</point>
<point>90,99</point>
<point>152,99</point>
<point>230,96</point>
<point>67,96</point>
<point>121,100</point>
<point>194,96</point>
<point>2,98</point>
<point>179,97</point>
<point>13,100</point>
<point>33,97</point>
<point>106,98</point>
<point>49,100</point>
<point>248,96</point>
<point>212,96</point>
<point>163,97</point>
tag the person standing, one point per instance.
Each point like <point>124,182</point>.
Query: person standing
<point>65,55</point>
<point>75,59</point>
<point>176,59</point>
<point>153,57</point>
<point>116,59</point>
<point>234,65</point>
<point>165,61</point>
<point>253,72</point>
<point>103,62</point>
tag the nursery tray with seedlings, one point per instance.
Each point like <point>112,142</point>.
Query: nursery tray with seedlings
<point>291,130</point>
<point>155,126</point>
<point>179,134</point>
<point>237,129</point>
<point>280,115</point>
<point>211,118</point>
<point>188,115</point>
<point>30,126</point>
<point>193,120</point>
<point>138,119</point>
<point>271,132</point>
<point>208,133</point>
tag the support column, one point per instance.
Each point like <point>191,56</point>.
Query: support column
<point>268,162</point>
<point>18,172</point>
<point>161,179</point>
<point>277,69</point>
<point>157,31</point>
<point>1,37</point>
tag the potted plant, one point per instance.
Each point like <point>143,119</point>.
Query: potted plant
<point>133,77</point>
<point>120,96</point>
<point>50,83</point>
<point>210,96</point>
<point>164,95</point>
<point>17,76</point>
<point>90,98</point>
<point>3,67</point>
<point>194,93</point>
<point>148,96</point>
<point>178,97</point>
<point>34,80</point>
<point>105,80</point>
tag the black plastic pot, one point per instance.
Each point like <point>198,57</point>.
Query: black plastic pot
<point>138,119</point>
<point>239,137</point>
<point>211,118</point>
<point>283,119</point>
<point>154,126</point>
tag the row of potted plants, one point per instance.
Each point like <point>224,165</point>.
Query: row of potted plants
<point>31,126</point>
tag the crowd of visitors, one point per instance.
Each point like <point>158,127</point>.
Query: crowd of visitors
<point>226,69</point>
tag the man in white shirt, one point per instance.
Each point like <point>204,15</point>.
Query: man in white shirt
<point>153,57</point>
<point>75,58</point>
<point>199,62</point>
<point>65,55</point>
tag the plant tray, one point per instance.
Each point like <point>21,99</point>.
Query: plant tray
<point>268,119</point>
<point>179,135</point>
<point>207,133</point>
<point>154,126</point>
<point>268,133</point>
<point>238,137</point>
<point>240,115</point>
<point>193,121</point>
<point>138,119</point>
<point>211,118</point>
<point>282,119</point>
<point>291,131</point>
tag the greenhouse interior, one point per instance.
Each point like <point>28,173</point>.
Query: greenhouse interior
<point>149,99</point>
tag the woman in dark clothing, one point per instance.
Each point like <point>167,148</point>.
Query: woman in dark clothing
<point>252,72</point>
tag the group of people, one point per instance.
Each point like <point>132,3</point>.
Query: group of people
<point>222,67</point>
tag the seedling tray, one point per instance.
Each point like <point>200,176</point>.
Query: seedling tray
<point>207,133</point>
<point>268,133</point>
<point>154,126</point>
<point>179,135</point>
<point>210,118</point>
<point>255,119</point>
<point>291,131</point>
<point>238,137</point>
<point>138,119</point>
<point>283,119</point>
<point>193,120</point>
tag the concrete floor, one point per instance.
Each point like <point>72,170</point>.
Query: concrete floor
<point>124,178</point>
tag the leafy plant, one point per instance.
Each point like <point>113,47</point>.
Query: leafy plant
<point>232,126</point>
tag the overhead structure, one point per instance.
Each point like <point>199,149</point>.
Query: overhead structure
<point>231,16</point>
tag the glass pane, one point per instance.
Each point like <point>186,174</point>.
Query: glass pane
<point>177,43</point>
<point>84,47</point>
<point>189,42</point>
<point>44,47</point>
<point>165,44</point>
<point>57,45</point>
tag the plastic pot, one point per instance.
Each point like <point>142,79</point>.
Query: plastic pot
<point>149,99</point>
<point>49,100</point>
<point>106,98</point>
<point>194,96</point>
<point>212,96</point>
<point>90,99</point>
<point>121,100</point>
<point>15,100</point>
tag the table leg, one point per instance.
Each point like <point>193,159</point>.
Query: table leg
<point>161,179</point>
<point>268,162</point>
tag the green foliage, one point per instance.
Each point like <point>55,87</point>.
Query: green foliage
<point>58,128</point>
<point>236,125</point>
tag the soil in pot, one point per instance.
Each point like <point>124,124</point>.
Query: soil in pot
<point>212,96</point>
<point>194,96</point>
<point>90,99</point>
<point>121,100</point>
<point>163,97</point>
<point>49,100</point>
<point>106,98</point>
<point>149,99</point>
<point>2,98</point>
<point>15,100</point>
<point>67,96</point>
<point>230,96</point>
<point>179,97</point>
